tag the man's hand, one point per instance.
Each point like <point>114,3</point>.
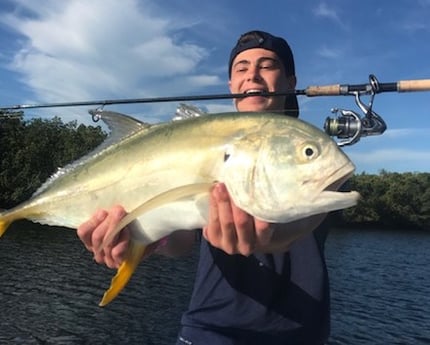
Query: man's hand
<point>236,232</point>
<point>232,229</point>
<point>92,232</point>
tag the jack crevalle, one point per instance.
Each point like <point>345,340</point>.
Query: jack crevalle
<point>275,167</point>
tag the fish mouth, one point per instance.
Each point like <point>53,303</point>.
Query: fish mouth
<point>338,178</point>
<point>340,199</point>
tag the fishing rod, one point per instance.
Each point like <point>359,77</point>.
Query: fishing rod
<point>310,91</point>
<point>348,126</point>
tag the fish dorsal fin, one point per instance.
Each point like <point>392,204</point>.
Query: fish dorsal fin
<point>120,125</point>
<point>187,111</point>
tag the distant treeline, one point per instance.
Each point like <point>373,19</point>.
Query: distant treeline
<point>391,200</point>
<point>32,150</point>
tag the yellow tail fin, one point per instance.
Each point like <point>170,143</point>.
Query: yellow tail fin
<point>3,226</point>
<point>133,257</point>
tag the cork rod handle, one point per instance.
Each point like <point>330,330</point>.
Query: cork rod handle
<point>413,85</point>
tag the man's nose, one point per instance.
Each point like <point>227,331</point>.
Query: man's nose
<point>254,73</point>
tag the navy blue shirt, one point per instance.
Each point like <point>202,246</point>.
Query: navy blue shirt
<point>261,299</point>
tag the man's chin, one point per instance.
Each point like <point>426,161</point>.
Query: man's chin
<point>254,104</point>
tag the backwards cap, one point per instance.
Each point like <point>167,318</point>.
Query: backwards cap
<point>264,40</point>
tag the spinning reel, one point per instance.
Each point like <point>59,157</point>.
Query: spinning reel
<point>348,126</point>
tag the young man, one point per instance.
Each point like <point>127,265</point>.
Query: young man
<point>255,283</point>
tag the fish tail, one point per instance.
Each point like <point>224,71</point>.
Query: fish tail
<point>4,223</point>
<point>133,257</point>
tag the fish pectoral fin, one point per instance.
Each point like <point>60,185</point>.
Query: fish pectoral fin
<point>159,200</point>
<point>132,259</point>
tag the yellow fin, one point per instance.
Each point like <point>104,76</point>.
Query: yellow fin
<point>132,259</point>
<point>157,201</point>
<point>4,224</point>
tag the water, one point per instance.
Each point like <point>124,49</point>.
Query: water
<point>50,288</point>
<point>380,287</point>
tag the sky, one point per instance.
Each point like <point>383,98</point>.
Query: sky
<point>77,50</point>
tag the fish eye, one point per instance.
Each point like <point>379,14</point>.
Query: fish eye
<point>310,151</point>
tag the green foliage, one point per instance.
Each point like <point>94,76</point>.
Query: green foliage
<point>31,151</point>
<point>391,200</point>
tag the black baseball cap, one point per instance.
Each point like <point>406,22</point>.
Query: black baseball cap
<point>261,39</point>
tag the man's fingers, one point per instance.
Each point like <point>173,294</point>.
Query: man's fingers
<point>228,240</point>
<point>85,230</point>
<point>118,251</point>
<point>212,231</point>
<point>245,232</point>
<point>263,232</point>
<point>232,229</point>
<point>99,257</point>
<point>93,231</point>
<point>98,234</point>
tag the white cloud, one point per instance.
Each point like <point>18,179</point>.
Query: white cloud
<point>220,108</point>
<point>329,53</point>
<point>391,155</point>
<point>415,26</point>
<point>79,50</point>
<point>400,160</point>
<point>398,149</point>
<point>398,133</point>
<point>324,11</point>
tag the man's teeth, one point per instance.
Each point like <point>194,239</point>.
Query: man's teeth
<point>258,92</point>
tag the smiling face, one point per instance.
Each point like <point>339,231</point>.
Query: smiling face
<point>256,70</point>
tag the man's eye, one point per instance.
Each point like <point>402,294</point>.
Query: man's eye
<point>268,65</point>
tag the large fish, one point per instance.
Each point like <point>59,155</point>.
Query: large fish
<point>277,168</point>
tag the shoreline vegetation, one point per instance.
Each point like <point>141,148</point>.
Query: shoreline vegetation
<point>32,150</point>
